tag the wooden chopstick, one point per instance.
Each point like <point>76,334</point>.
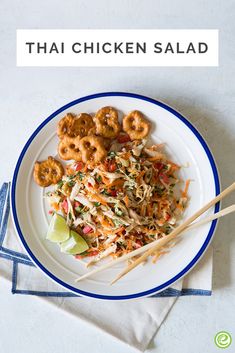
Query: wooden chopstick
<point>175,232</point>
<point>146,247</point>
<point>214,216</point>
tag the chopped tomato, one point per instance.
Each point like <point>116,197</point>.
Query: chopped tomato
<point>164,178</point>
<point>93,253</point>
<point>90,185</point>
<point>90,253</point>
<point>79,166</point>
<point>158,165</point>
<point>140,244</point>
<point>106,164</point>
<point>87,229</point>
<point>79,257</point>
<point>50,211</point>
<point>167,217</point>
<point>65,206</point>
<point>77,204</point>
<point>112,167</point>
<point>123,138</point>
<point>113,192</point>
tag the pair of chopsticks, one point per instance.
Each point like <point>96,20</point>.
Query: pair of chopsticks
<point>153,247</point>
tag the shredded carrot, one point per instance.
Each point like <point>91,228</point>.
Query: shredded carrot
<point>104,223</point>
<point>129,244</point>
<point>114,231</point>
<point>141,174</point>
<point>126,155</point>
<point>179,206</point>
<point>185,191</point>
<point>126,200</point>
<point>174,166</point>
<point>69,171</point>
<point>142,210</point>
<point>56,206</point>
<point>119,231</point>
<point>98,198</point>
<point>105,180</point>
<point>117,182</point>
<point>149,210</point>
<point>110,222</point>
<point>85,167</point>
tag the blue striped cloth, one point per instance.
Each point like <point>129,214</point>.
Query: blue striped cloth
<point>19,258</point>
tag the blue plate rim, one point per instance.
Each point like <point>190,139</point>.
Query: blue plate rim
<point>216,208</point>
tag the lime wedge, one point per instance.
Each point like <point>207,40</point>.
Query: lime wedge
<point>74,245</point>
<point>58,230</point>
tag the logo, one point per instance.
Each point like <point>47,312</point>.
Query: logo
<point>223,339</point>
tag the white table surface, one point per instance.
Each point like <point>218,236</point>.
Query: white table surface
<point>205,95</point>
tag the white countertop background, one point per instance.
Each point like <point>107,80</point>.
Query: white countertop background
<point>205,95</point>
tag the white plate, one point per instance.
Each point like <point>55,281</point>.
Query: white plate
<point>184,145</point>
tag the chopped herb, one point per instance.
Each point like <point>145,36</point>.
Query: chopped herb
<point>152,235</point>
<point>120,241</point>
<point>70,216</point>
<point>116,222</point>
<point>79,209</point>
<point>105,192</point>
<point>80,175</point>
<point>168,230</point>
<point>130,188</point>
<point>97,204</point>
<point>71,183</point>
<point>99,179</point>
<point>118,212</point>
<point>158,190</point>
<point>60,184</point>
<point>112,154</point>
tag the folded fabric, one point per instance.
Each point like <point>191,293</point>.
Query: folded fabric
<point>128,321</point>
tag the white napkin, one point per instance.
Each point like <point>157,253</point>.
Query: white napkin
<point>133,322</point>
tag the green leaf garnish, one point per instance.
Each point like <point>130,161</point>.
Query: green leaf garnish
<point>112,154</point>
<point>80,175</point>
<point>99,179</point>
<point>71,183</point>
<point>60,184</point>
